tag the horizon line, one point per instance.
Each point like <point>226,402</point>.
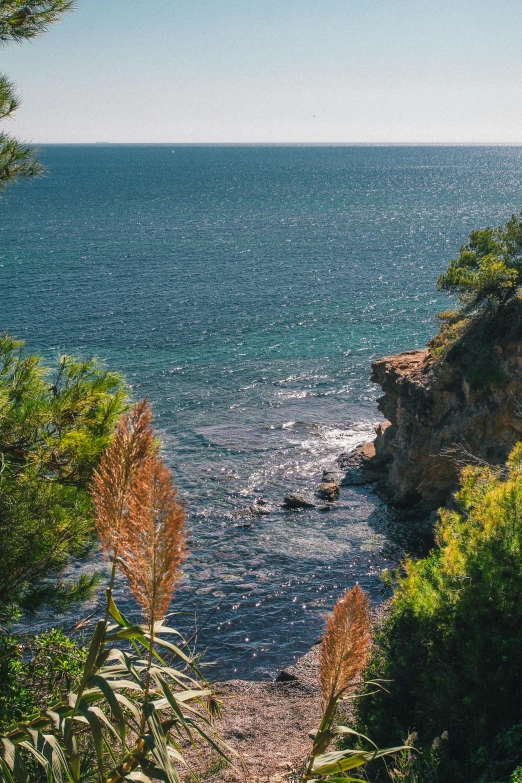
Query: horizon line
<point>278,143</point>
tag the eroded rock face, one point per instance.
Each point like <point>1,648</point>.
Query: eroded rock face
<point>437,421</point>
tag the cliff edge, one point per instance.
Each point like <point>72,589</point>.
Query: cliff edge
<point>443,413</point>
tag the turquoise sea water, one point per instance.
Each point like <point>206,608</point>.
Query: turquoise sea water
<point>245,291</point>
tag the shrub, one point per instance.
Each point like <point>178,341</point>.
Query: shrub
<point>34,670</point>
<point>452,643</point>
<point>487,272</point>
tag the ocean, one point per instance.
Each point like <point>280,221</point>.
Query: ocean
<point>245,290</point>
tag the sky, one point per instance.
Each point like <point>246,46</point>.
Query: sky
<point>269,71</point>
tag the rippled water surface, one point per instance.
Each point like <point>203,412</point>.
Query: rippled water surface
<point>245,291</point>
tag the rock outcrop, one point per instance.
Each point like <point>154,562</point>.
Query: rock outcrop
<point>438,418</point>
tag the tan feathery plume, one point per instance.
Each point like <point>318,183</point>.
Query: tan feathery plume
<point>152,544</point>
<point>132,443</point>
<point>345,645</point>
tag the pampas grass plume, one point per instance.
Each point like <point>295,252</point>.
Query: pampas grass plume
<point>152,543</point>
<point>131,444</point>
<point>345,645</point>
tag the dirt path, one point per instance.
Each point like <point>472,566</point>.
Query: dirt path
<point>267,723</point>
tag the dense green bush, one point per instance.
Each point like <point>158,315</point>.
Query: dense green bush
<point>34,670</point>
<point>452,643</point>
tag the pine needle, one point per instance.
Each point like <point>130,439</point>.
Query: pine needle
<point>345,645</point>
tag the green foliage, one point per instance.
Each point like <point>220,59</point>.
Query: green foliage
<point>480,346</point>
<point>487,272</point>
<point>410,766</point>
<point>131,728</point>
<point>516,777</point>
<point>16,160</point>
<point>34,670</point>
<point>53,427</point>
<point>452,644</point>
<point>21,20</point>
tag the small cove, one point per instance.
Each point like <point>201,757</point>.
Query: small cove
<point>246,291</point>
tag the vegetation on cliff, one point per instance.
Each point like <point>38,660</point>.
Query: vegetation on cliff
<point>451,646</point>
<point>487,273</point>
<point>487,278</point>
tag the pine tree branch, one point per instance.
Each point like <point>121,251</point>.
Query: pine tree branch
<point>20,20</point>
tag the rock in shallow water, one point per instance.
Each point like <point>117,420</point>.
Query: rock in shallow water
<point>298,501</point>
<point>359,466</point>
<point>328,490</point>
<point>261,508</point>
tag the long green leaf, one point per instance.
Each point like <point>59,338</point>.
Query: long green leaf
<point>348,730</point>
<point>170,700</point>
<point>97,734</point>
<point>340,765</point>
<point>14,762</point>
<point>41,759</point>
<point>48,747</point>
<point>104,719</point>
<point>341,760</point>
<point>5,773</point>
<point>344,779</point>
<point>58,758</point>
<point>108,692</point>
<point>159,750</point>
<point>160,628</point>
<point>214,744</point>
<point>129,705</point>
<point>116,615</point>
<point>94,646</point>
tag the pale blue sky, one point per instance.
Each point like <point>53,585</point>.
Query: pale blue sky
<point>274,71</point>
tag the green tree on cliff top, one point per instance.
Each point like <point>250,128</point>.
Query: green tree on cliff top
<point>488,272</point>
<point>20,20</point>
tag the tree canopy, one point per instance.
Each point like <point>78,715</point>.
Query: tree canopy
<point>20,20</point>
<point>54,425</point>
<point>488,271</point>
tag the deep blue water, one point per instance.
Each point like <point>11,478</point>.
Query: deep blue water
<point>245,291</point>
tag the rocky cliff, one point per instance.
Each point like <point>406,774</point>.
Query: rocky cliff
<point>441,414</point>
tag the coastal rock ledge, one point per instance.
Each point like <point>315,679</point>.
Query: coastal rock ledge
<point>438,419</point>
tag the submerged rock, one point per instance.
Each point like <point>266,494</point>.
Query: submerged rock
<point>261,508</point>
<point>332,474</point>
<point>298,501</point>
